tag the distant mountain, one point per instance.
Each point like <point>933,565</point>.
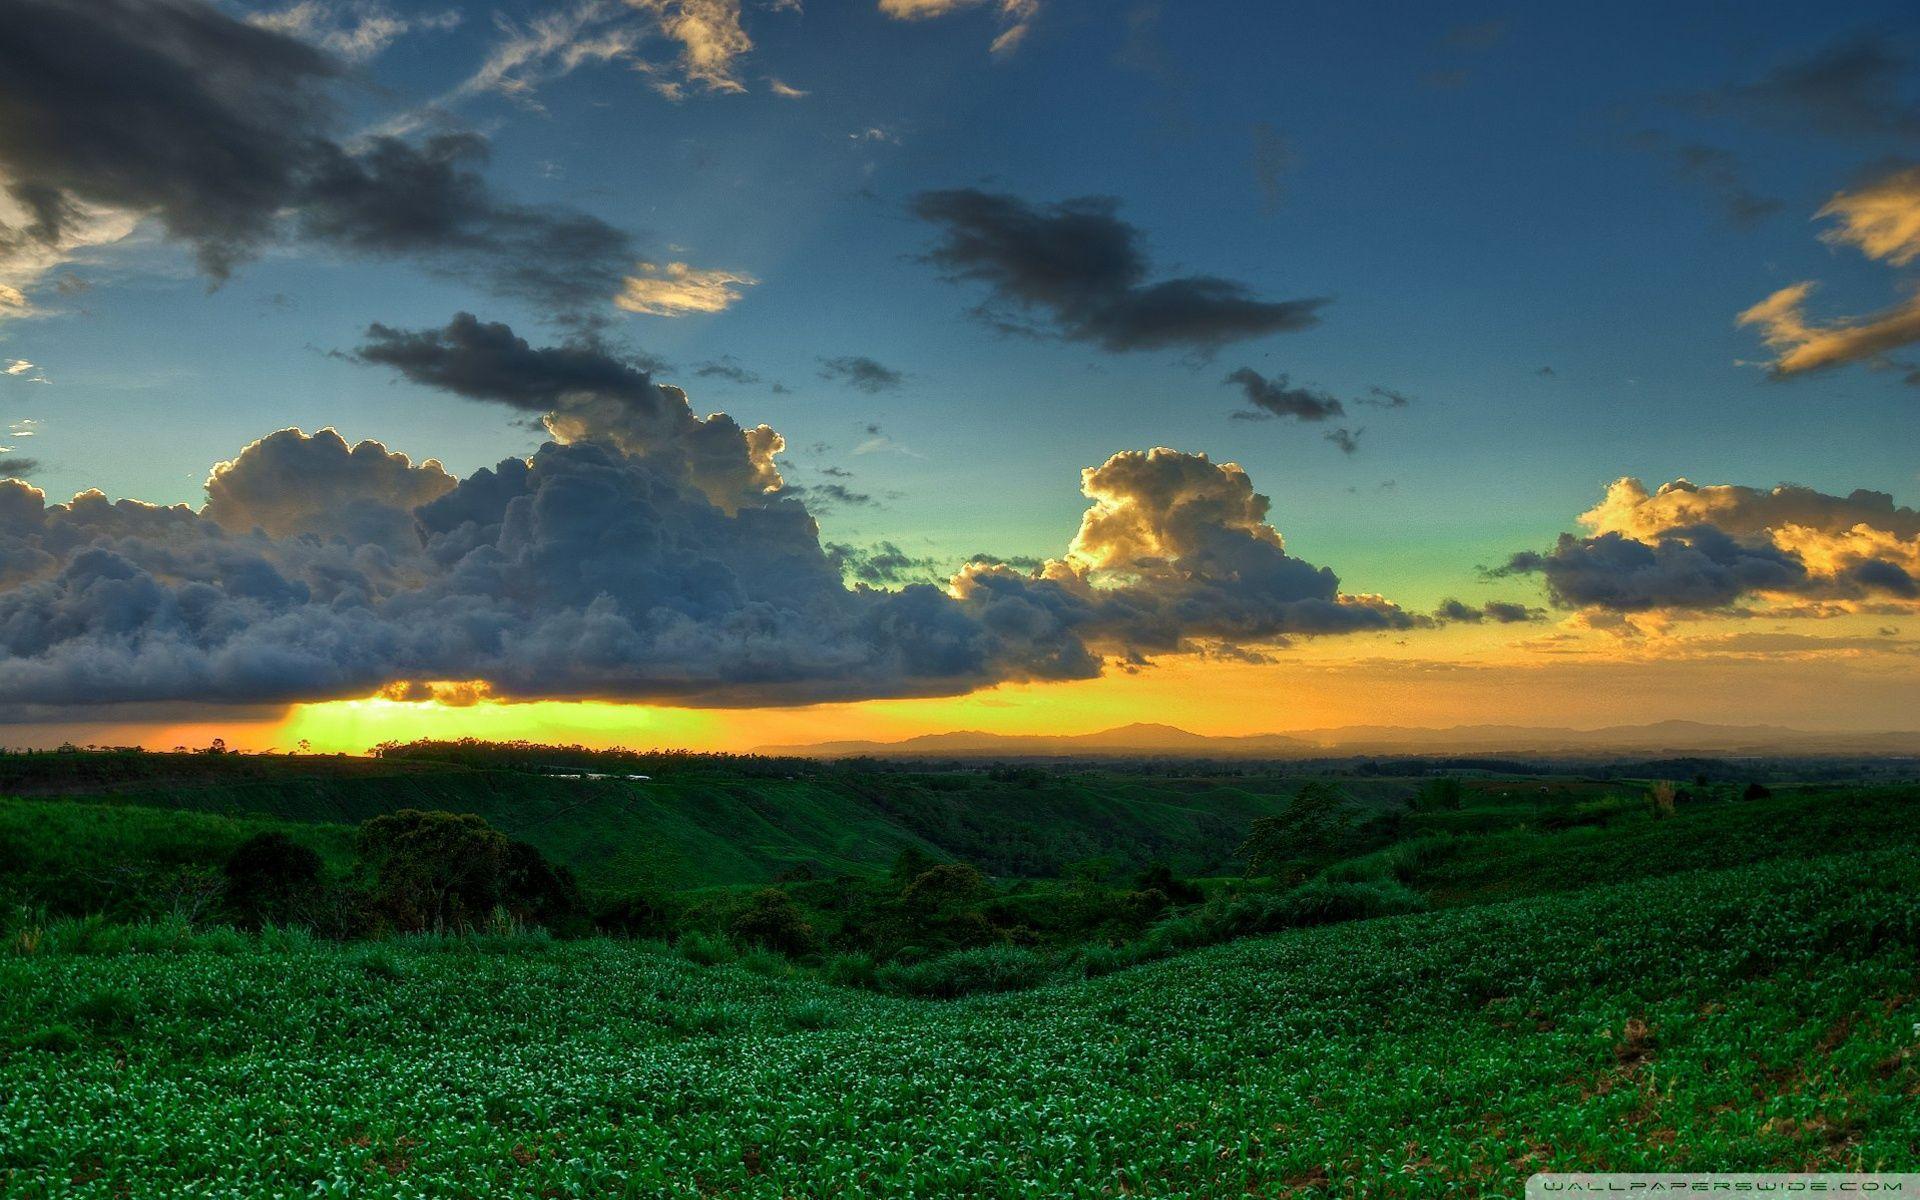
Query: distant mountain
<point>1661,738</point>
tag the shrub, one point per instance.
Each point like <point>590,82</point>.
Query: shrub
<point>772,920</point>
<point>850,970</point>
<point>697,947</point>
<point>810,1014</point>
<point>964,972</point>
<point>763,962</point>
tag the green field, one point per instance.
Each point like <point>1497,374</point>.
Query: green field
<point>1450,994</point>
<point>1761,1018</point>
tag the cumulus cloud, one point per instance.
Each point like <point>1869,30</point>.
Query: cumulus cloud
<point>1081,271</point>
<point>859,371</point>
<point>1016,16</point>
<point>221,132</point>
<point>677,290</point>
<point>1687,546</point>
<point>583,391</point>
<point>710,37</point>
<point>603,566</point>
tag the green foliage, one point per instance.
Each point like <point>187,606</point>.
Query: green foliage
<point>771,920</point>
<point>1310,829</point>
<point>434,871</point>
<point>964,972</point>
<point>270,878</point>
<point>1757,1019</point>
<point>1446,794</point>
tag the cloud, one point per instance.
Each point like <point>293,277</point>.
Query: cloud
<point>356,32</point>
<point>1348,440</point>
<point>1380,397</point>
<point>1016,16</point>
<point>1881,218</point>
<point>710,37</point>
<point>585,392</point>
<point>1805,345</point>
<point>601,567</point>
<point>1688,546</point>
<point>221,133</point>
<point>728,368</point>
<point>18,366</point>
<point>1861,86</point>
<point>786,92</point>
<point>677,290</point>
<point>883,564</point>
<point>859,371</point>
<point>1081,270</point>
<point>18,467</point>
<point>1277,397</point>
<point>1716,171</point>
<point>1500,612</point>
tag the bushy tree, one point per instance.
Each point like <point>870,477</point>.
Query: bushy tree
<point>434,871</point>
<point>1311,828</point>
<point>772,920</point>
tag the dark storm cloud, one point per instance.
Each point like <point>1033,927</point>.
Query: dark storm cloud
<point>859,371</point>
<point>584,390</point>
<point>610,563</point>
<point>1862,86</point>
<point>1082,272</point>
<point>19,467</point>
<point>223,133</point>
<point>1278,397</point>
<point>486,360</point>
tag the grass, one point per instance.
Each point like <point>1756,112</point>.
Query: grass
<point>1759,1018</point>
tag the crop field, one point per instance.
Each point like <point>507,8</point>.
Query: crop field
<point>1747,1019</point>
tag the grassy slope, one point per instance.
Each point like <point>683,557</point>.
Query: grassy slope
<point>1751,1019</point>
<point>693,830</point>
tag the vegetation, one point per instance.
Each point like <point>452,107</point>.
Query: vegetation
<point>1751,1019</point>
<point>1521,971</point>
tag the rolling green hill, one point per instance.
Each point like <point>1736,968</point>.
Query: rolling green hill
<point>705,827</point>
<point>1742,1020</point>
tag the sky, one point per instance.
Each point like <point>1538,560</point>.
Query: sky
<point>1242,367</point>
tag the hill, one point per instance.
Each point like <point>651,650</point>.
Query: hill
<point>1663,738</point>
<point>712,825</point>
<point>1755,1019</point>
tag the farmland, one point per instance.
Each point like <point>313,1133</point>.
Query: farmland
<point>1436,988</point>
<point>1746,1019</point>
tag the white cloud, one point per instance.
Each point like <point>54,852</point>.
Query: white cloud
<point>355,31</point>
<point>785,91</point>
<point>1016,16</point>
<point>18,366</point>
<point>677,289</point>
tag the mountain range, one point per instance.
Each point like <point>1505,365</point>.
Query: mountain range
<point>1658,738</point>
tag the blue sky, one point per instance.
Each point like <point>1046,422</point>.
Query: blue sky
<point>1460,181</point>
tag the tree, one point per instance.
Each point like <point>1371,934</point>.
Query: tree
<point>433,870</point>
<point>772,920</point>
<point>271,878</point>
<point>1312,827</point>
<point>1756,791</point>
<point>1440,795</point>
